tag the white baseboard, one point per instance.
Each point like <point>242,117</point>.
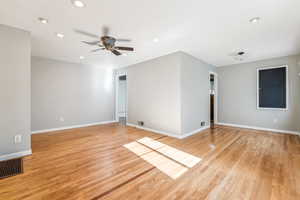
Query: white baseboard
<point>15,155</point>
<point>166,133</point>
<point>153,130</point>
<point>259,128</point>
<point>194,132</point>
<point>71,127</point>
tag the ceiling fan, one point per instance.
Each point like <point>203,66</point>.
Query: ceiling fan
<point>105,42</point>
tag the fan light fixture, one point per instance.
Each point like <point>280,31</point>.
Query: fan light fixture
<point>105,42</point>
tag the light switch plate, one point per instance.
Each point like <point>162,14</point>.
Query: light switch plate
<point>18,139</point>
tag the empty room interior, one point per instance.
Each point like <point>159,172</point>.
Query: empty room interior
<point>149,100</point>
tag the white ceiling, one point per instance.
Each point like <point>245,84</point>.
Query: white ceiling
<point>210,30</point>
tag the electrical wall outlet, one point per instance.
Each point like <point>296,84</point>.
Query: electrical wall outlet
<point>61,119</point>
<point>140,123</point>
<point>18,139</point>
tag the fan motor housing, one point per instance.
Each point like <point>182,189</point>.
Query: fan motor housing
<point>108,42</point>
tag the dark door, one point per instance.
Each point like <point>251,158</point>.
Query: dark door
<point>212,110</point>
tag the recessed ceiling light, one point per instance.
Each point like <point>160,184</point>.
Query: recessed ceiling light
<point>43,20</point>
<point>254,20</point>
<point>60,35</point>
<point>155,40</point>
<point>78,3</point>
<point>81,57</point>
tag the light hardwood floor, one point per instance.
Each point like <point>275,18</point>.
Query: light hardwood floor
<point>92,163</point>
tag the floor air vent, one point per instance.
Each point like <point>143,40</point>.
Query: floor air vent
<point>11,167</point>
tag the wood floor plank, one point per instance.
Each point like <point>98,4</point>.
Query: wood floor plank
<point>95,163</point>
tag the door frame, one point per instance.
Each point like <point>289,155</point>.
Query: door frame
<point>117,94</point>
<point>216,96</point>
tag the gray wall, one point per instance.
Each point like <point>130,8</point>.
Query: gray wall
<point>169,93</point>
<point>77,93</point>
<point>15,89</point>
<point>298,104</point>
<point>195,85</point>
<point>154,93</point>
<point>237,96</point>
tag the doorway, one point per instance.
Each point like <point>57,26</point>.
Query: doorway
<point>121,98</point>
<point>213,98</point>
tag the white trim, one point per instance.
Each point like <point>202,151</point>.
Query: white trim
<point>260,128</point>
<point>216,95</point>
<point>169,134</point>
<point>153,130</point>
<point>117,94</point>
<point>287,88</point>
<point>123,114</point>
<point>72,127</point>
<point>194,132</point>
<point>15,155</point>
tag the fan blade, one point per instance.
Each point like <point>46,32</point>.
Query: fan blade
<point>92,43</point>
<point>123,40</point>
<point>86,33</point>
<point>95,50</point>
<point>125,48</point>
<point>105,30</point>
<point>117,53</point>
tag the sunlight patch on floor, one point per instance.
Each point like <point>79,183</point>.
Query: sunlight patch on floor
<point>169,160</point>
<point>153,144</point>
<point>137,148</point>
<point>167,166</point>
<point>184,158</point>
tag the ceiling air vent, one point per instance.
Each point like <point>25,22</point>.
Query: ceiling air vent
<point>238,56</point>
